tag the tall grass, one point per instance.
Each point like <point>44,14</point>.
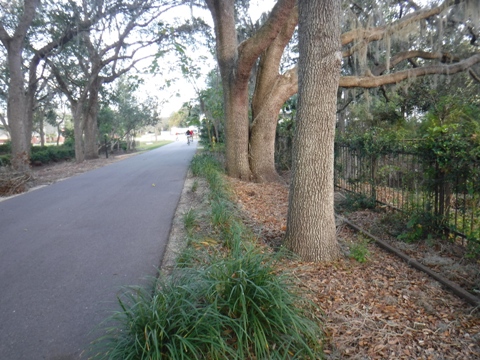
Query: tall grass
<point>264,305</point>
<point>168,320</point>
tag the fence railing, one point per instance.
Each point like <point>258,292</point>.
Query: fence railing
<point>408,182</point>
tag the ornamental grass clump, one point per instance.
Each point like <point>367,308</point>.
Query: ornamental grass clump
<point>268,317</point>
<point>168,320</point>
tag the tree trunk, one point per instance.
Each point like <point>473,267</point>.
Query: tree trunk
<point>41,128</point>
<point>311,229</point>
<point>236,131</point>
<point>263,129</point>
<point>236,62</point>
<point>91,124</point>
<point>17,105</point>
<point>78,129</point>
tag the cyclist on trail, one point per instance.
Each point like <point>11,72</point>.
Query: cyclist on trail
<point>189,134</point>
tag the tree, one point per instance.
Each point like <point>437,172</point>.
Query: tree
<point>235,62</point>
<point>372,58</point>
<point>101,59</point>
<point>272,90</point>
<point>18,103</point>
<point>47,30</point>
<point>311,229</point>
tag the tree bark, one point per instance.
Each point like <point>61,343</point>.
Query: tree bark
<point>236,62</point>
<point>17,102</point>
<point>91,121</point>
<point>311,229</point>
<point>78,129</point>
<point>263,129</point>
<point>272,90</point>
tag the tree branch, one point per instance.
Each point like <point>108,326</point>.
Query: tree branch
<point>368,35</point>
<point>250,49</point>
<point>407,55</point>
<point>375,81</point>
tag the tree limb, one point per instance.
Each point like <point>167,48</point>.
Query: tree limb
<point>407,55</point>
<point>368,35</point>
<point>375,81</point>
<point>250,49</point>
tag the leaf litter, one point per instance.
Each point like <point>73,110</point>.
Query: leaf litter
<point>380,309</point>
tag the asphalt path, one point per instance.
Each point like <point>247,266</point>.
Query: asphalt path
<point>68,248</point>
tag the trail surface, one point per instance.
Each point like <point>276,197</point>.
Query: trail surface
<point>66,249</point>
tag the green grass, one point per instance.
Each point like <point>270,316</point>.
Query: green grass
<point>359,251</point>
<point>154,145</point>
<point>190,220</point>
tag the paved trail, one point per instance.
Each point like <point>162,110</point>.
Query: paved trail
<point>66,249</point>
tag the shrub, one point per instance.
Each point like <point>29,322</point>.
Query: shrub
<point>5,160</point>
<point>46,154</point>
<point>6,148</point>
<point>359,251</point>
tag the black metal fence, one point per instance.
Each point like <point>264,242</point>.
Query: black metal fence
<point>409,182</point>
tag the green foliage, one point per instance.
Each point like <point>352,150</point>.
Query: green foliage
<point>6,148</point>
<point>356,201</point>
<point>47,154</point>
<point>422,224</point>
<point>195,186</point>
<point>267,317</point>
<point>168,320</point>
<point>284,135</point>
<point>359,250</point>
<point>473,245</point>
<point>205,165</point>
<point>375,112</point>
<point>221,213</point>
<point>5,160</point>
<point>374,142</point>
<point>451,140</point>
<point>190,220</point>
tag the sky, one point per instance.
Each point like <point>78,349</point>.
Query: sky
<point>182,91</point>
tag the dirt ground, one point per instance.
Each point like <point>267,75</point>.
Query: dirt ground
<point>379,309</point>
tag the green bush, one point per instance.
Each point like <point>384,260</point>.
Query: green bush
<point>6,148</point>
<point>239,307</point>
<point>5,160</point>
<point>359,251</point>
<point>46,154</point>
<point>357,201</point>
<point>167,320</point>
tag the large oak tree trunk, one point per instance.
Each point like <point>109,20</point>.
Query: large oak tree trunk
<point>236,62</point>
<point>91,123</point>
<point>263,129</point>
<point>236,131</point>
<point>17,105</point>
<point>78,129</point>
<point>271,92</point>
<point>311,229</point>
<point>19,111</point>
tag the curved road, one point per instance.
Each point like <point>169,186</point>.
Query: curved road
<point>66,249</point>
